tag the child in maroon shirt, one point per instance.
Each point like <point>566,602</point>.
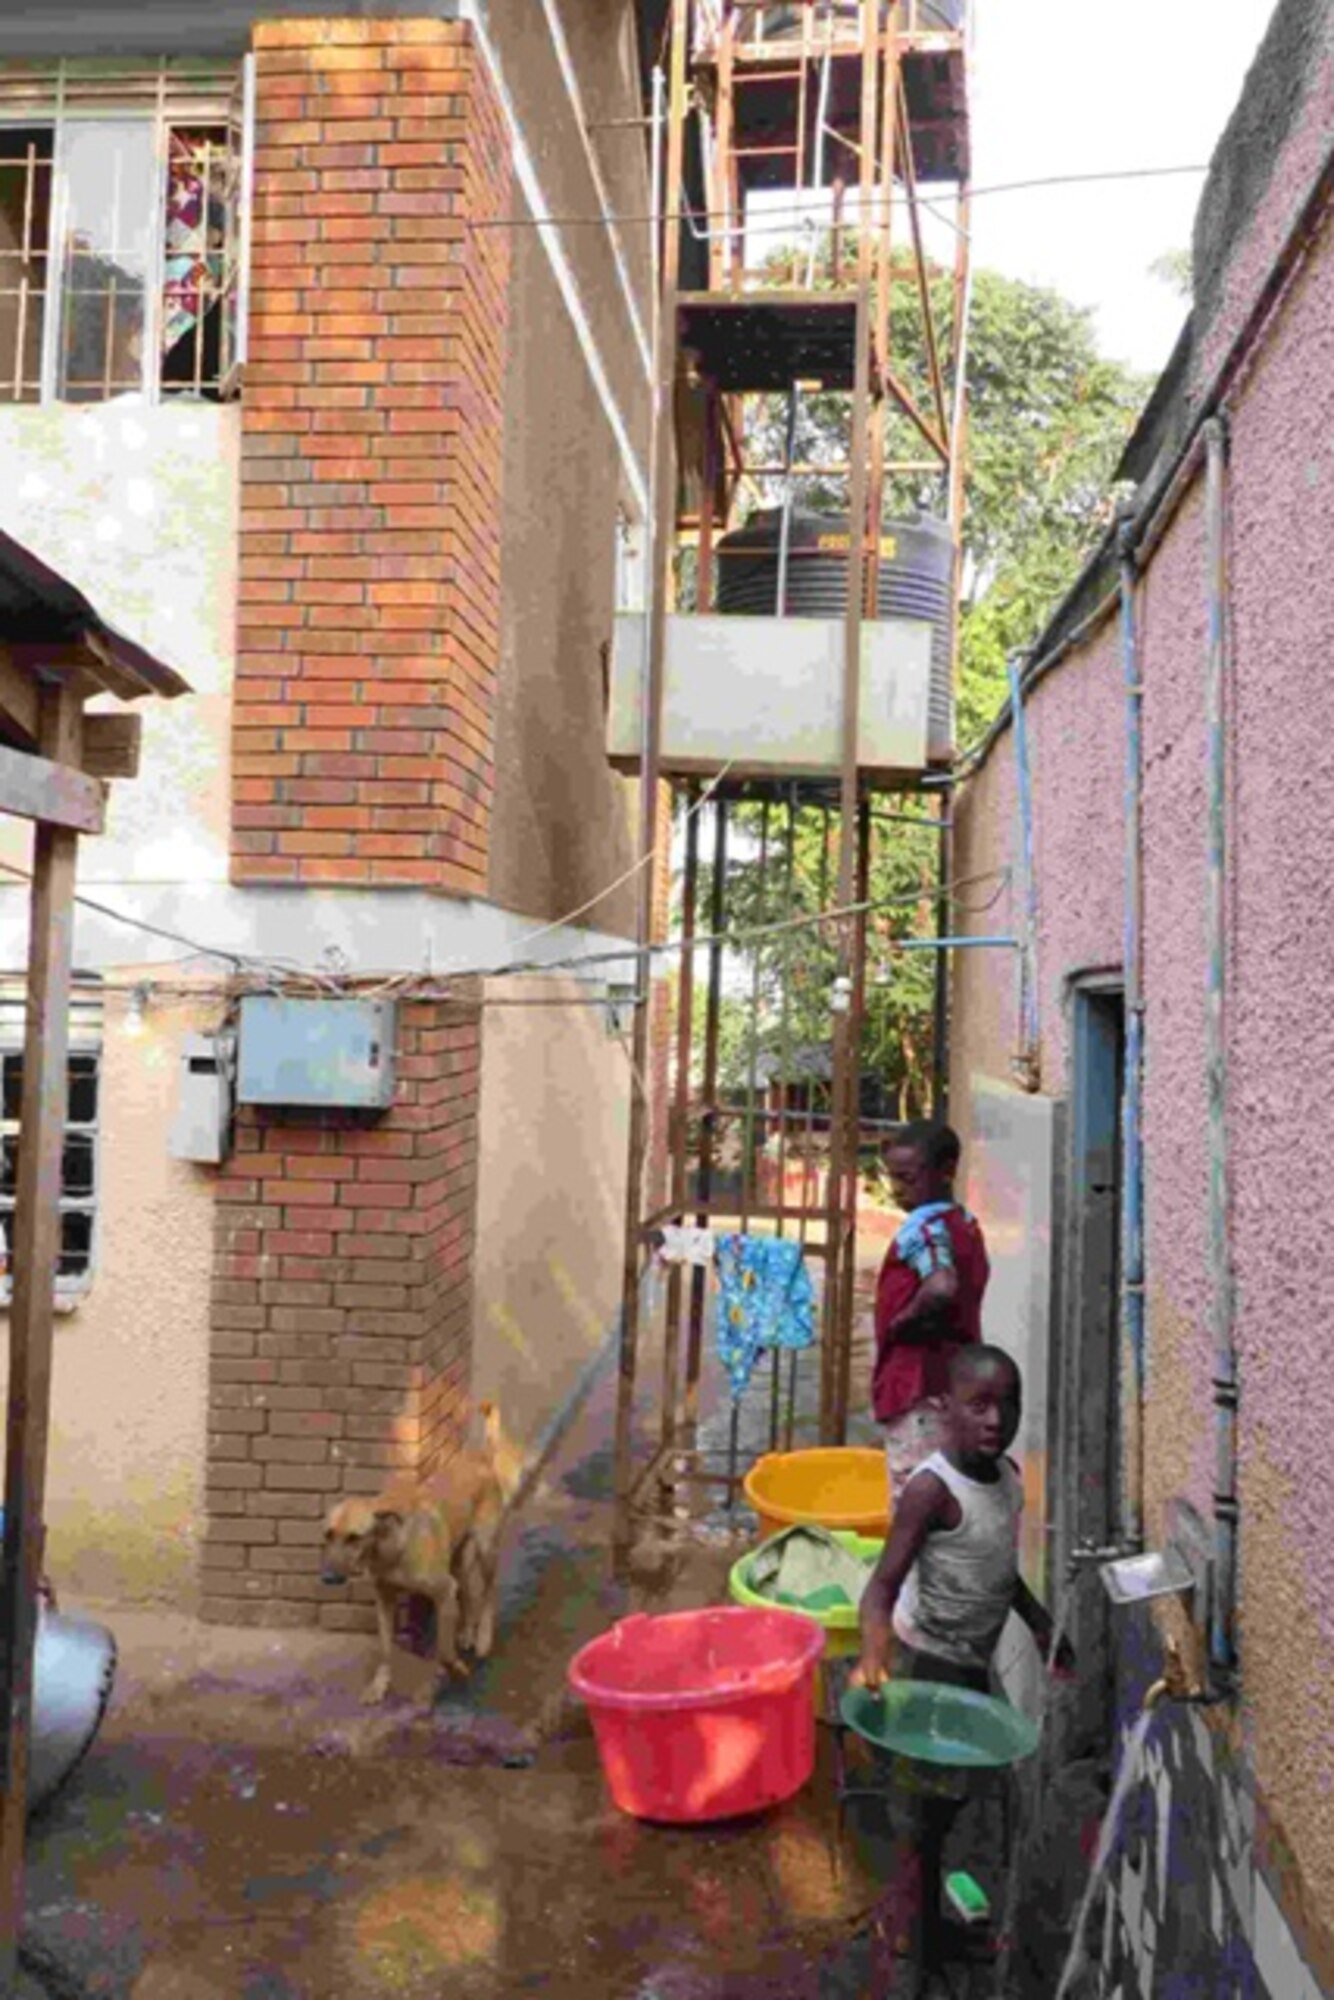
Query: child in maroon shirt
<point>928,1297</point>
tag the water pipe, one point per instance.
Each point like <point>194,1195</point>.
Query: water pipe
<point>1132,1147</point>
<point>1221,1636</point>
<point>1027,1062</point>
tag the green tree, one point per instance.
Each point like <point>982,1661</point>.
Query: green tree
<point>779,988</point>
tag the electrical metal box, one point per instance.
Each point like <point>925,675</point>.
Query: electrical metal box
<point>204,1100</point>
<point>329,1054</point>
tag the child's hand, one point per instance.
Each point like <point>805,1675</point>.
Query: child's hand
<point>872,1668</point>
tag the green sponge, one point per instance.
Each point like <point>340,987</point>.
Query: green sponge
<point>967,1897</point>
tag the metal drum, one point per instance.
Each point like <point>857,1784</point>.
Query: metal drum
<point>74,1668</point>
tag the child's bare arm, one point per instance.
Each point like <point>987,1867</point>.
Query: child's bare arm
<point>926,1315</point>
<point>922,1507</point>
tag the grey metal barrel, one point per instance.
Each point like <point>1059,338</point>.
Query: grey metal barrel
<point>73,1671</point>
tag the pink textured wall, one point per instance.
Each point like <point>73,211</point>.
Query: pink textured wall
<point>1280,1017</point>
<point>1282,1044</point>
<point>1249,265</point>
<point>1076,757</point>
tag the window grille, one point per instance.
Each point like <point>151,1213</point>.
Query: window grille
<point>79,1154</point>
<point>124,230</point>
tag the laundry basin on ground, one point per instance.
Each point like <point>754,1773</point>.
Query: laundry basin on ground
<point>836,1486</point>
<point>702,1715</point>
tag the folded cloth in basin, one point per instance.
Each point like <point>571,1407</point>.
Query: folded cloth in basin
<point>807,1567</point>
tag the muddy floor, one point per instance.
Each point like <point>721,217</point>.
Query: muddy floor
<point>243,1826</point>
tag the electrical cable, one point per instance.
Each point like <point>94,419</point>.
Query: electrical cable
<point>784,217</point>
<point>436,985</point>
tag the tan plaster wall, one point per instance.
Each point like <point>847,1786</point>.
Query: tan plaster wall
<point>124,1484</point>
<point>554,1112</point>
<point>560,827</point>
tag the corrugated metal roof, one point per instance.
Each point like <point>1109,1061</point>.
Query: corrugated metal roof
<point>38,606</point>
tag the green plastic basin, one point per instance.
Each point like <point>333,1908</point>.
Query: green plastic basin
<point>839,1620</point>
<point>940,1725</point>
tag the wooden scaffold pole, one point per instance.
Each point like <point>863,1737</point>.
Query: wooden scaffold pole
<point>663,505</point>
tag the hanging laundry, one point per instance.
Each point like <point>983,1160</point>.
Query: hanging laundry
<point>766,1301</point>
<point>682,1244</point>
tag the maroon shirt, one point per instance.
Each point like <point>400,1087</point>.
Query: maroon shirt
<point>938,1236</point>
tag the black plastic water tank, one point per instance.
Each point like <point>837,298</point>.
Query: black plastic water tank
<point>915,580</point>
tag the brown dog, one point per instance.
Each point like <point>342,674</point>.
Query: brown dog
<point>437,1539</point>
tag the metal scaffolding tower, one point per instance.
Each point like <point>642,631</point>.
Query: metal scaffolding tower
<point>829,118</point>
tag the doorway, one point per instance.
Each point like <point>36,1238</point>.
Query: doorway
<point>1087,1509</point>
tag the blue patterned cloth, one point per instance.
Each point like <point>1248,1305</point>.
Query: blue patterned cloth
<point>923,1241</point>
<point>766,1301</point>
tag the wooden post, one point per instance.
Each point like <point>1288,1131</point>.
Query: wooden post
<point>663,502</point>
<point>842,1140</point>
<point>35,1254</point>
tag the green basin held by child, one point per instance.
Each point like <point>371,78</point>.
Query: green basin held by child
<point>940,1725</point>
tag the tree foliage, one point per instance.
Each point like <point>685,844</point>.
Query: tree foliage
<point>780,989</point>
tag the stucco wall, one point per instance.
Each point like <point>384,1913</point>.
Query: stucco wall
<point>550,1216</point>
<point>1280,1040</point>
<point>1076,758</point>
<point>125,1472</point>
<point>1282,1050</point>
<point>561,818</point>
<point>138,507</point>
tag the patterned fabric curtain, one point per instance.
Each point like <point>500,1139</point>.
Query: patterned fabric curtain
<point>196,232</point>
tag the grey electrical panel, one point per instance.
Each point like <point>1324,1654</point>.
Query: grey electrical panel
<point>330,1054</point>
<point>203,1119</point>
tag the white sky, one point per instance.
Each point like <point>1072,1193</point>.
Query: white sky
<point>1070,87</point>
<point>1064,86</point>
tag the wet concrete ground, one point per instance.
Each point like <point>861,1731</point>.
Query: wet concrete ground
<point>243,1826</point>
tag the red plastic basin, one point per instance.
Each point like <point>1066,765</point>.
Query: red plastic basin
<point>702,1715</point>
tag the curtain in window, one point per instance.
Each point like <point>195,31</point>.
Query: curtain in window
<point>195,233</point>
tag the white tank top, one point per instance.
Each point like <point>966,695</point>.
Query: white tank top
<point>957,1594</point>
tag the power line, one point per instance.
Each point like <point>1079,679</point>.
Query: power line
<point>783,216</point>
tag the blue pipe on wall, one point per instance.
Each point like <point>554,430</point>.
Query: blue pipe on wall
<point>1132,1094</point>
<point>1221,1624</point>
<point>1028,1064</point>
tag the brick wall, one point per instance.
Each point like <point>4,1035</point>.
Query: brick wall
<point>371,449</point>
<point>342,1301</point>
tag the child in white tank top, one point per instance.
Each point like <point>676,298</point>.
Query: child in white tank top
<point>943,1588</point>
<point>949,1574</point>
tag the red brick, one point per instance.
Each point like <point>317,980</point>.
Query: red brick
<point>367,652</point>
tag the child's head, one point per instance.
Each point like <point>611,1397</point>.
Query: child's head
<point>984,1403</point>
<point>921,1161</point>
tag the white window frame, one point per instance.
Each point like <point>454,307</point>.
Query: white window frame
<point>61,106</point>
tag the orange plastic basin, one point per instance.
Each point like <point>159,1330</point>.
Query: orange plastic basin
<point>838,1486</point>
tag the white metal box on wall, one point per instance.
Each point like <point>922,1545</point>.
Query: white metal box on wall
<point>203,1118</point>
<point>326,1054</point>
<point>766,695</point>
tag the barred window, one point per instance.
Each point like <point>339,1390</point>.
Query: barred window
<point>79,1153</point>
<point>124,219</point>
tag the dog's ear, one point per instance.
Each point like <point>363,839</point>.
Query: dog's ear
<point>386,1518</point>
